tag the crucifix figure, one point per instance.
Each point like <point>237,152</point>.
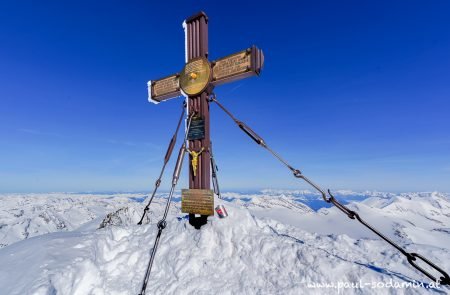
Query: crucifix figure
<point>194,161</point>
<point>196,82</point>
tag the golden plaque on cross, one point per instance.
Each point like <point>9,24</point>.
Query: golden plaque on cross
<point>195,76</point>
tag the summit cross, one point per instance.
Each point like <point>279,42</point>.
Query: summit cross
<point>196,82</point>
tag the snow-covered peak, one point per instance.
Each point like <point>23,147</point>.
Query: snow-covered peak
<point>29,215</point>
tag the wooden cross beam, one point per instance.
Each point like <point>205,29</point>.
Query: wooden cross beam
<point>196,82</point>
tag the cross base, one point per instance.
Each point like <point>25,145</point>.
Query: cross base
<point>198,222</point>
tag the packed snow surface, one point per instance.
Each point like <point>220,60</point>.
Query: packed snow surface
<point>272,242</point>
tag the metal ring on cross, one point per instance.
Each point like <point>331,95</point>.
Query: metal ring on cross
<point>195,76</point>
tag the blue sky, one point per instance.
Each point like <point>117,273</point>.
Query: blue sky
<point>353,93</point>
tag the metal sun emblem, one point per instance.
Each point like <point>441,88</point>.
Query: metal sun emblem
<point>195,76</point>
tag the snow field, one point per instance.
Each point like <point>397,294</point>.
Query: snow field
<point>255,250</point>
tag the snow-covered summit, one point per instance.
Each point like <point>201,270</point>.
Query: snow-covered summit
<point>265,246</point>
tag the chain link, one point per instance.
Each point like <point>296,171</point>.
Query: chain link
<point>411,257</point>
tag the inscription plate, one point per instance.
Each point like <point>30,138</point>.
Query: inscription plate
<point>165,86</point>
<point>196,129</point>
<point>234,64</point>
<point>197,201</point>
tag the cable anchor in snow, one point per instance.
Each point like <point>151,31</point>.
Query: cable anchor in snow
<point>411,257</point>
